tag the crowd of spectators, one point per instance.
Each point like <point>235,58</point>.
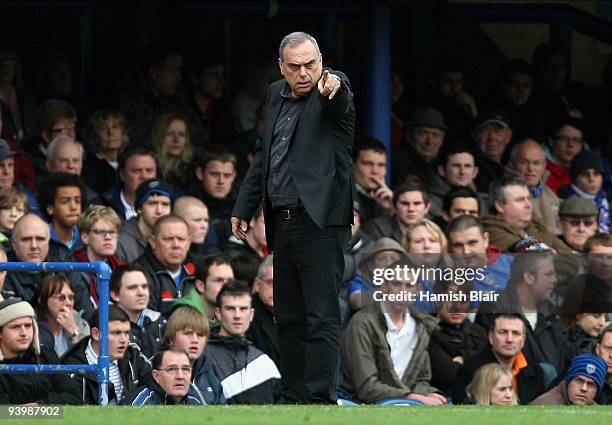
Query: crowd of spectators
<point>515,185</point>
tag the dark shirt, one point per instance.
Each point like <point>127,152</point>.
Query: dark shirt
<point>281,187</point>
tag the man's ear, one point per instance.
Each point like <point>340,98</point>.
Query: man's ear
<point>427,208</point>
<point>95,334</point>
<point>280,66</point>
<point>441,171</point>
<point>114,296</point>
<point>486,237</point>
<point>85,238</point>
<point>498,206</point>
<point>199,173</point>
<point>217,313</point>
<point>50,209</point>
<point>445,216</point>
<point>476,171</point>
<point>200,286</point>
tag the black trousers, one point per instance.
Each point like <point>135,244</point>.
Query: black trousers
<point>308,268</point>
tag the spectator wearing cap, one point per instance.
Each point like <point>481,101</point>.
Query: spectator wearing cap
<point>564,144</point>
<point>492,133</point>
<point>578,221</point>
<point>583,381</point>
<point>425,131</point>
<point>531,285</point>
<point>7,174</point>
<point>164,262</point>
<point>153,199</point>
<point>19,344</point>
<point>586,169</point>
<point>528,161</point>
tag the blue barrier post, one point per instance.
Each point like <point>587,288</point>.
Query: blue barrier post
<point>102,272</point>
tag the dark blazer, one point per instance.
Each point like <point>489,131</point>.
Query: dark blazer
<point>319,155</point>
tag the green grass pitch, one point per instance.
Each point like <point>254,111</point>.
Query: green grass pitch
<point>330,415</point>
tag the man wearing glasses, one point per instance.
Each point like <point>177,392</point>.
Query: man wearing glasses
<point>172,375</point>
<point>578,221</point>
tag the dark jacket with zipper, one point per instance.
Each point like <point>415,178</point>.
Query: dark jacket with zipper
<point>154,395</point>
<point>163,290</point>
<point>134,368</point>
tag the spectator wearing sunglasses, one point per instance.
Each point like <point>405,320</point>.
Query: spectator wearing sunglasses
<point>60,325</point>
<point>578,221</point>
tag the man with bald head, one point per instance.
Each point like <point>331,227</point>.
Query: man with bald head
<point>195,214</point>
<point>31,243</point>
<point>528,161</point>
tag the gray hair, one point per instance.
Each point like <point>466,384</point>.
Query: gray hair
<point>497,190</point>
<point>61,141</point>
<point>295,39</point>
<point>267,262</point>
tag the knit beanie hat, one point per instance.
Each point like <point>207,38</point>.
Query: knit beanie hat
<point>16,308</point>
<point>590,366</point>
<point>583,161</point>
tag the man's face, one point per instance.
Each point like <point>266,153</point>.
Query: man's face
<point>217,178</point>
<point>449,83</point>
<point>31,240</point>
<point>166,75</point>
<point>589,181</point>
<point>137,169</point>
<point>427,141</point>
<point>174,374</point>
<point>463,206</point>
<point>154,207</point>
<point>302,67</point>
<point>170,246</point>
<point>543,283</point>
<point>517,209</point>
<point>459,170</point>
<point>101,239</point>
<point>63,127</point>
<point>471,245</point>
<point>599,261</point>
<point>67,157</point>
<point>530,163</point>
<point>133,295</point>
<point>517,90</point>
<point>370,169</point>
<point>16,336</point>
<point>581,390</point>
<point>9,216</point>
<point>210,82</point>
<point>411,207</point>
<point>576,230</point>
<point>197,219</point>
<point>604,350</point>
<point>235,314</point>
<point>7,172</point>
<point>264,288</point>
<point>492,140</point>
<point>454,312</point>
<point>401,290</point>
<point>566,143</point>
<point>508,337</point>
<point>66,207</point>
<point>190,341</point>
<point>258,230</point>
<point>118,338</point>
<point>218,275</point>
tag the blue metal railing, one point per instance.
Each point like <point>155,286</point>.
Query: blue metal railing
<point>102,272</point>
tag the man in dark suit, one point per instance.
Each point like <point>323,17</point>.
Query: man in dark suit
<point>303,172</point>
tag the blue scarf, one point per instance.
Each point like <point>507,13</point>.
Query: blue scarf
<point>537,191</point>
